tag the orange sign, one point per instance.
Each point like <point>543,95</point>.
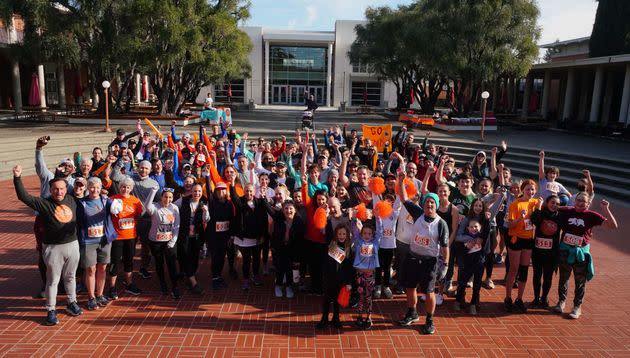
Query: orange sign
<point>379,135</point>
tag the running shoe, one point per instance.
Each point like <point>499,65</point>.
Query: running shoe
<point>520,306</point>
<point>102,301</point>
<point>197,290</point>
<point>473,310</point>
<point>428,328</point>
<point>377,292</point>
<point>245,285</point>
<point>132,289</point>
<point>544,303</point>
<point>387,292</point>
<point>559,308</point>
<point>410,317</point>
<point>144,273</point>
<point>488,284</point>
<point>535,303</point>
<point>51,318</point>
<point>439,299</point>
<point>507,303</point>
<point>290,293</point>
<point>113,294</point>
<point>322,323</point>
<point>73,309</point>
<point>92,305</point>
<point>336,322</point>
<point>576,313</point>
<point>257,282</point>
<point>175,293</point>
<point>367,324</point>
<point>457,306</point>
<point>278,291</point>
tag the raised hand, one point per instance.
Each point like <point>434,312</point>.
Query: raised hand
<point>42,141</point>
<point>17,171</point>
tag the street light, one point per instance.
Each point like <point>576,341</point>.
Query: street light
<point>106,86</point>
<point>484,100</point>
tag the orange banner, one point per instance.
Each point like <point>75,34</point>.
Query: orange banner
<point>379,135</point>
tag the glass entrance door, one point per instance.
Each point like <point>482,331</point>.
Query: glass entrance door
<point>297,95</point>
<point>318,93</point>
<point>279,94</point>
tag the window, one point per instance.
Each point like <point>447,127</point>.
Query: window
<point>360,68</point>
<point>365,93</point>
<point>238,92</point>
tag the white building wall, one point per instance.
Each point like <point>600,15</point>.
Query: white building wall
<point>254,86</point>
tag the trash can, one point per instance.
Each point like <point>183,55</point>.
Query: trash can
<point>252,105</point>
<point>342,106</point>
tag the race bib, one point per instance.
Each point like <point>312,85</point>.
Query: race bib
<point>337,254</point>
<point>422,240</point>
<point>573,240</point>
<point>410,219</point>
<point>553,187</point>
<point>474,246</point>
<point>388,232</point>
<point>544,243</point>
<point>163,236</point>
<point>367,250</point>
<point>528,225</point>
<point>95,231</point>
<point>126,223</point>
<point>222,226</point>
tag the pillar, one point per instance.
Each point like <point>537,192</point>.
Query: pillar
<point>625,98</point>
<point>515,90</point>
<point>329,75</point>
<point>528,90</point>
<point>17,88</point>
<point>138,89</point>
<point>266,72</point>
<point>544,106</point>
<point>608,97</point>
<point>597,94</point>
<point>146,80</point>
<point>61,86</point>
<point>42,86</point>
<point>509,87</point>
<point>569,93</point>
<point>495,96</point>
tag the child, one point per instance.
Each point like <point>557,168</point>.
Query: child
<point>338,272</point>
<point>547,184</point>
<point>545,254</point>
<point>365,262</point>
<point>386,236</point>
<point>472,264</point>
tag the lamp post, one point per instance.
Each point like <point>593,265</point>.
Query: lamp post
<point>484,101</point>
<point>106,86</point>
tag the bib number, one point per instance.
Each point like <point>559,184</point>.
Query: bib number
<point>422,241</point>
<point>544,243</point>
<point>573,240</point>
<point>222,226</point>
<point>95,231</point>
<point>528,225</point>
<point>367,250</point>
<point>337,254</point>
<point>388,232</point>
<point>127,223</point>
<point>474,245</point>
<point>163,236</point>
<point>553,187</point>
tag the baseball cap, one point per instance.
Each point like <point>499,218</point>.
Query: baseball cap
<point>481,152</point>
<point>124,145</point>
<point>120,131</point>
<point>220,185</point>
<point>186,166</point>
<point>281,164</point>
<point>67,161</point>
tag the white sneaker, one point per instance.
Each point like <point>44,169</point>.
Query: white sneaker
<point>278,291</point>
<point>377,292</point>
<point>488,284</point>
<point>290,292</point>
<point>387,292</point>
<point>576,313</point>
<point>439,299</point>
<point>559,308</point>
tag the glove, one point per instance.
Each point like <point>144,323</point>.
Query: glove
<point>116,207</point>
<point>442,273</point>
<point>171,244</point>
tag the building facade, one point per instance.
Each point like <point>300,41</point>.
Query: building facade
<point>287,65</point>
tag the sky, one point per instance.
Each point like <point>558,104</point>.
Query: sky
<point>559,19</point>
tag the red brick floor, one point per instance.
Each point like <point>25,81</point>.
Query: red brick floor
<point>256,324</point>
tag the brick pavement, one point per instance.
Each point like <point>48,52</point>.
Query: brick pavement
<point>256,324</point>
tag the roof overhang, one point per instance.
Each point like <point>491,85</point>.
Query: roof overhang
<point>288,36</point>
<point>618,59</point>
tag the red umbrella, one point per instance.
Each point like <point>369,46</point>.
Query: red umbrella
<point>145,91</point>
<point>33,96</point>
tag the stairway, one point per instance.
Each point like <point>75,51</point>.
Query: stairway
<point>610,177</point>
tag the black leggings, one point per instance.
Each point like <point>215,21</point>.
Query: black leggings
<point>218,249</point>
<point>489,264</point>
<point>122,253</point>
<point>188,255</point>
<point>329,298</point>
<point>316,252</point>
<point>283,264</point>
<point>264,246</point>
<point>161,252</point>
<point>544,265</point>
<point>251,257</point>
<point>385,258</point>
<point>470,265</point>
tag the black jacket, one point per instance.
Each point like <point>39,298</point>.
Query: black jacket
<point>249,222</point>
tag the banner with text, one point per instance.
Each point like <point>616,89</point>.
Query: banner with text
<point>379,135</point>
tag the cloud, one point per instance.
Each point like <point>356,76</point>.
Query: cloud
<point>311,15</point>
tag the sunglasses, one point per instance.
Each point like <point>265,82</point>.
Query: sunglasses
<point>168,190</point>
<point>79,184</point>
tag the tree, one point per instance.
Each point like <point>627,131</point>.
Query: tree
<point>611,30</point>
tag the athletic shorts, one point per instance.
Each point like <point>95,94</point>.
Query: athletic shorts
<point>95,254</point>
<point>520,244</point>
<point>420,272</point>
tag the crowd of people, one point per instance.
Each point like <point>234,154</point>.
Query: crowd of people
<point>326,212</point>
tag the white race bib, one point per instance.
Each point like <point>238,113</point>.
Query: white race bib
<point>126,223</point>
<point>544,243</point>
<point>528,225</point>
<point>95,231</point>
<point>422,240</point>
<point>163,236</point>
<point>367,250</point>
<point>573,240</point>
<point>553,187</point>
<point>337,254</point>
<point>474,246</point>
<point>222,226</point>
<point>388,232</point>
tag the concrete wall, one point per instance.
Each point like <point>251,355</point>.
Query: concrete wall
<point>254,86</point>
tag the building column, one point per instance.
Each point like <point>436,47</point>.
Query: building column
<point>266,72</point>
<point>61,86</point>
<point>495,96</point>
<point>138,89</point>
<point>569,93</point>
<point>528,90</point>
<point>544,106</point>
<point>329,75</point>
<point>597,94</point>
<point>42,86</point>
<point>146,81</point>
<point>515,84</point>
<point>625,98</point>
<point>608,97</point>
<point>509,88</point>
<point>17,88</point>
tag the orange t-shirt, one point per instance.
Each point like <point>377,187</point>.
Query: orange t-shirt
<point>524,229</point>
<point>125,222</point>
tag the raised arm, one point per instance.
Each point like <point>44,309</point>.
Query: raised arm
<point>439,175</point>
<point>32,202</point>
<point>148,203</point>
<point>541,165</point>
<point>589,180</point>
<point>611,222</point>
<point>493,163</point>
<point>424,189</point>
